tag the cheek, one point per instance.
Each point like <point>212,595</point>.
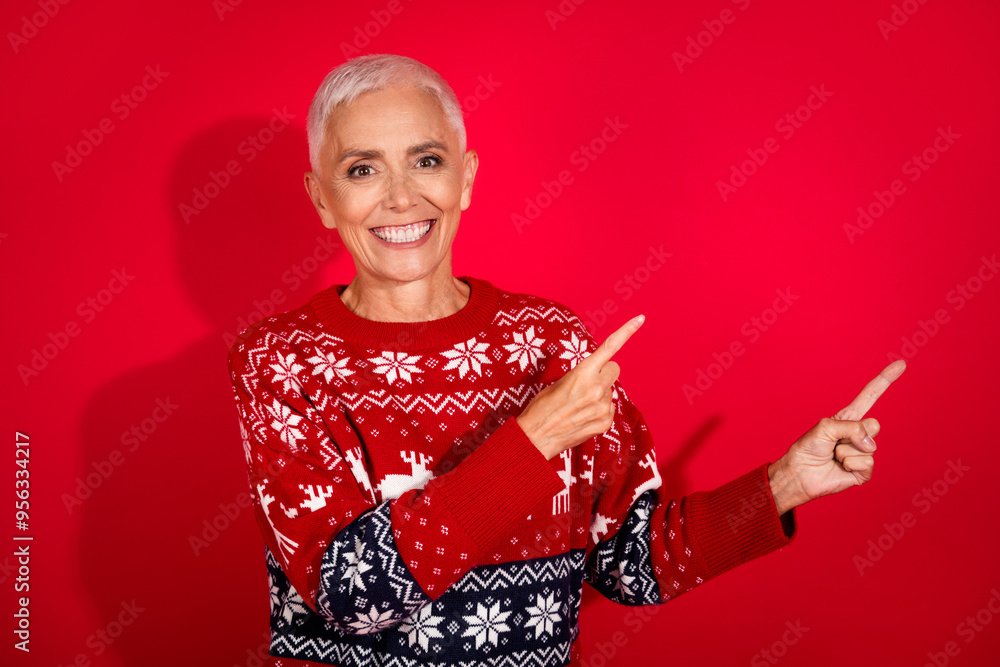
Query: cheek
<point>352,204</point>
<point>444,193</point>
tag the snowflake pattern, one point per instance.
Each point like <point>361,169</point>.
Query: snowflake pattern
<point>526,348</point>
<point>328,365</point>
<point>294,611</point>
<point>486,624</point>
<point>285,372</point>
<point>395,365</point>
<point>575,350</point>
<point>356,566</point>
<point>421,627</point>
<point>463,356</point>
<point>285,422</point>
<point>373,621</point>
<point>275,591</point>
<point>544,615</point>
<point>642,518</point>
<point>623,582</point>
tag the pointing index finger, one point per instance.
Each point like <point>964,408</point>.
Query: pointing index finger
<point>866,399</point>
<point>612,344</point>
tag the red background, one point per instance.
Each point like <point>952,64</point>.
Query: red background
<point>553,85</point>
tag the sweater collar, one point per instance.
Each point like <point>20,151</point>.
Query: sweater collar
<point>474,317</point>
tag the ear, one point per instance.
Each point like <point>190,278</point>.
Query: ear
<point>316,197</point>
<point>470,164</point>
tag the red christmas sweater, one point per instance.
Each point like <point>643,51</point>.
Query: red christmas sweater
<point>407,519</point>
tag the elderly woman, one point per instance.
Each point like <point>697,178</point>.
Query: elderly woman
<point>438,464</point>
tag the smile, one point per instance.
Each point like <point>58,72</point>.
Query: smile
<point>404,233</point>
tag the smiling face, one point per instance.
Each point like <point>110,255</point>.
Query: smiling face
<point>392,167</point>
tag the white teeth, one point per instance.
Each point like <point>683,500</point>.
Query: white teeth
<point>404,234</point>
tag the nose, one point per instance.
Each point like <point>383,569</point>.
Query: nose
<point>400,193</point>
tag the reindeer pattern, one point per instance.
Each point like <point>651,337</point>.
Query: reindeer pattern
<point>394,485</point>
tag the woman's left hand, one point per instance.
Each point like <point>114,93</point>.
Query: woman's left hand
<point>834,455</point>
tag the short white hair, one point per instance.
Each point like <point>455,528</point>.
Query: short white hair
<point>369,73</point>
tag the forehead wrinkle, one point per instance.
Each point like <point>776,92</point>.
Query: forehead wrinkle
<point>432,125</point>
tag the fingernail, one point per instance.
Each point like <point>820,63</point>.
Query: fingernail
<point>868,443</point>
<point>638,321</point>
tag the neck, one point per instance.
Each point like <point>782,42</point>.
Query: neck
<point>472,320</point>
<point>384,300</point>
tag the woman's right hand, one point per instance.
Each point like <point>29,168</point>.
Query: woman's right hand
<point>578,405</point>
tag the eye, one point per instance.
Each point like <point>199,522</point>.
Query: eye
<point>429,161</point>
<point>360,170</point>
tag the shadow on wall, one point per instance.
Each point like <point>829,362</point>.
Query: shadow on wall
<point>167,529</point>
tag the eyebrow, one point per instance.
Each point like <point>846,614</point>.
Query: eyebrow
<point>372,155</point>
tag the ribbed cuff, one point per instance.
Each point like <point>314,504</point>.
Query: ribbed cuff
<point>739,521</point>
<point>499,484</point>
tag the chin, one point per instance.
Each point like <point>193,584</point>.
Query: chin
<point>407,272</point>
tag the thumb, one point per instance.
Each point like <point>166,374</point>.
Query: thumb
<point>833,430</point>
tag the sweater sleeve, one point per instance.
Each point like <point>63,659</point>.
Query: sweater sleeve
<point>645,548</point>
<point>362,565</point>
